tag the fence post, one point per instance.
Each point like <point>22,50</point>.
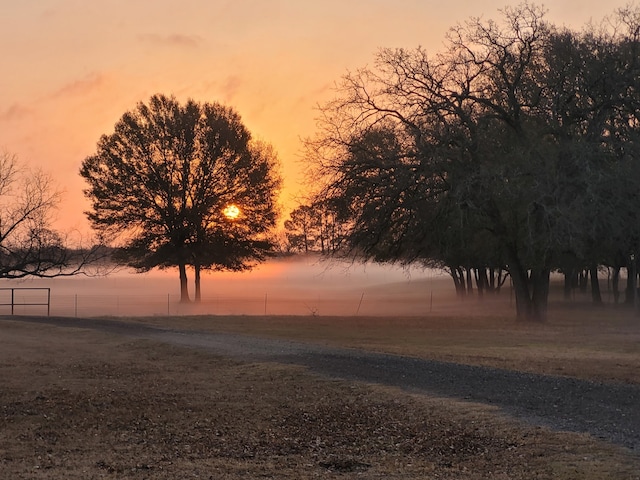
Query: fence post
<point>359,304</point>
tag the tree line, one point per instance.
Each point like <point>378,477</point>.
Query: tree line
<point>515,149</point>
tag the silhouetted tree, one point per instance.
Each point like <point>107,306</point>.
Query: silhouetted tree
<point>332,226</point>
<point>29,246</point>
<point>492,153</point>
<point>162,182</point>
<point>314,227</point>
<point>302,228</point>
<point>594,78</point>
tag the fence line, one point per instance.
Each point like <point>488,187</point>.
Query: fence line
<point>365,303</point>
<point>324,304</point>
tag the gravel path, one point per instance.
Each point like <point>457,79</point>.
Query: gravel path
<point>607,411</point>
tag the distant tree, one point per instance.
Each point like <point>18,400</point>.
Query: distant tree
<point>302,228</point>
<point>332,226</point>
<point>316,226</point>
<point>165,181</point>
<point>29,246</point>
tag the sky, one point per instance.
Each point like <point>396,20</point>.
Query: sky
<point>71,68</point>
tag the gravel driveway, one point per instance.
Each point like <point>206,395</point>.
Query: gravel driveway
<point>607,411</point>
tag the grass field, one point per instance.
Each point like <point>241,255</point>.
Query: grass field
<point>592,343</point>
<point>79,404</point>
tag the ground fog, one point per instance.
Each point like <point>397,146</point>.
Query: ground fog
<point>292,286</point>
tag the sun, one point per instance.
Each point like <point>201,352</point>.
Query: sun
<point>231,212</point>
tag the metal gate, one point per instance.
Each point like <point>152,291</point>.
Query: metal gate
<point>16,302</point>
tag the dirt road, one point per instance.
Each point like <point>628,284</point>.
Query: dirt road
<point>606,411</point>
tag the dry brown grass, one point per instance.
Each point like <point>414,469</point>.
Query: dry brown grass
<point>84,405</point>
<point>600,344</point>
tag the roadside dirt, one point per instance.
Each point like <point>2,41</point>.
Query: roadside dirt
<point>78,404</point>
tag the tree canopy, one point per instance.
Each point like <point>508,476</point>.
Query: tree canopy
<point>516,147</point>
<point>162,181</point>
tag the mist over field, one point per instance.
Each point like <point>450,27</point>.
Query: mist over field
<point>292,286</point>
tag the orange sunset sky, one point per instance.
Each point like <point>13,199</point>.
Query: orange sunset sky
<point>71,68</point>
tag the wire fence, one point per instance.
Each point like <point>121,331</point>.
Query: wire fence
<point>353,304</point>
<point>376,302</point>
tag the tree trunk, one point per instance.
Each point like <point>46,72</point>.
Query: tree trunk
<point>540,294</point>
<point>630,292</point>
<point>482,280</point>
<point>521,289</point>
<point>595,285</point>
<point>322,239</point>
<point>469,281</point>
<point>184,291</point>
<point>615,284</point>
<point>532,291</point>
<point>583,278</point>
<point>569,282</point>
<point>458,281</point>
<point>500,279</point>
<point>197,279</point>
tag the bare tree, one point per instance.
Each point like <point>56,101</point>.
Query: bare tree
<point>29,246</point>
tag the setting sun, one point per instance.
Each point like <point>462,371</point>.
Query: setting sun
<point>231,212</point>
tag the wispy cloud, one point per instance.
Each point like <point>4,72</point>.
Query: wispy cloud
<point>15,112</point>
<point>224,89</point>
<point>173,40</point>
<point>81,86</point>
<point>231,86</point>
